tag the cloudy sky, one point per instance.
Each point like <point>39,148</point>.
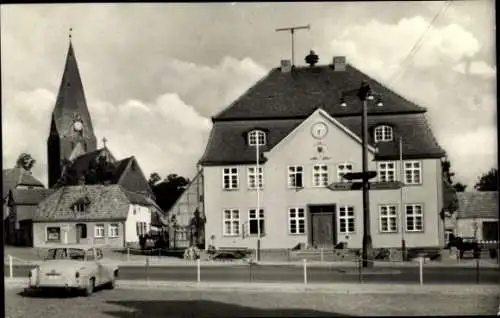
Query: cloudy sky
<point>155,73</point>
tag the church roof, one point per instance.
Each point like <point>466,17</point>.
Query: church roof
<point>82,163</point>
<point>298,93</point>
<point>228,144</point>
<point>70,98</point>
<point>17,176</point>
<point>106,202</point>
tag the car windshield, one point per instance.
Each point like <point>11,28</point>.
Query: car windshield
<point>66,253</point>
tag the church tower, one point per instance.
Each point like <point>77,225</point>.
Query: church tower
<point>71,132</point>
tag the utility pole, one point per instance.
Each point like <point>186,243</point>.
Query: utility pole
<point>292,32</point>
<point>401,204</point>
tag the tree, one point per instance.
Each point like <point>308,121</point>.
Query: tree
<point>99,172</point>
<point>488,181</point>
<point>25,161</point>
<point>153,179</point>
<point>459,187</point>
<point>169,190</point>
<point>450,196</point>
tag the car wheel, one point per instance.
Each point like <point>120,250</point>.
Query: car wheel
<point>90,287</point>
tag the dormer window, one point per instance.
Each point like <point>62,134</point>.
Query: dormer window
<point>80,206</point>
<point>256,137</point>
<point>383,133</point>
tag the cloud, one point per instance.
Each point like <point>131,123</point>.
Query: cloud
<point>380,48</point>
<point>166,135</point>
<point>480,68</point>
<point>461,105</point>
<point>143,64</point>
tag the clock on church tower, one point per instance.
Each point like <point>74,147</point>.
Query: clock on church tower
<point>77,124</point>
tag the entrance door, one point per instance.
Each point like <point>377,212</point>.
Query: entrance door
<point>322,225</point>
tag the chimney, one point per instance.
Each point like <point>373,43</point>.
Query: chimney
<point>339,63</point>
<point>286,66</point>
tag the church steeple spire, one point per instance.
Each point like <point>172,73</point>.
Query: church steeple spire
<point>71,123</point>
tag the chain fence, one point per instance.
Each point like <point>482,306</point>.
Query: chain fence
<point>307,271</point>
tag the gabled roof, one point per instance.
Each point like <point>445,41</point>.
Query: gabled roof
<point>29,196</point>
<point>70,98</point>
<point>106,202</point>
<point>298,93</point>
<point>477,205</point>
<point>228,145</point>
<point>82,163</point>
<point>120,167</point>
<point>18,176</point>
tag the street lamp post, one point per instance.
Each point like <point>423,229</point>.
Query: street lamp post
<point>364,93</point>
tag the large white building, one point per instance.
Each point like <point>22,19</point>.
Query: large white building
<point>307,140</point>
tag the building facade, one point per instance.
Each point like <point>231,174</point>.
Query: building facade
<point>477,216</point>
<point>106,215</point>
<point>189,215</point>
<point>21,193</point>
<point>305,141</point>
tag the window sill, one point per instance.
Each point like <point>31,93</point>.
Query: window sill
<point>255,189</point>
<point>231,235</point>
<point>229,190</point>
<point>412,184</point>
<point>388,232</point>
<point>114,237</point>
<point>297,234</point>
<point>414,231</point>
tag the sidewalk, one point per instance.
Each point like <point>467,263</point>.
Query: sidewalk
<point>156,261</point>
<point>340,288</point>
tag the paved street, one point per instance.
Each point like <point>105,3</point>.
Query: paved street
<point>294,274</point>
<point>121,303</point>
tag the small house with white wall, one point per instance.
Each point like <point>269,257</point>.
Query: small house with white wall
<point>477,216</point>
<point>106,215</point>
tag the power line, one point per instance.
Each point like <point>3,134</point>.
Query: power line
<point>417,45</point>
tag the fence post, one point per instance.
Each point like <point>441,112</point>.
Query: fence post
<point>147,268</point>
<point>288,254</point>
<point>360,278</point>
<point>128,254</point>
<point>305,271</point>
<point>11,267</point>
<point>198,265</point>
<point>421,270</point>
<point>477,270</point>
<point>250,272</point>
<point>322,256</point>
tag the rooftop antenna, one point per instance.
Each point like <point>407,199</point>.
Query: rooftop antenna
<point>292,32</point>
<point>70,31</point>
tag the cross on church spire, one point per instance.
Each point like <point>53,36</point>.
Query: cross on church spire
<point>104,140</point>
<point>70,31</point>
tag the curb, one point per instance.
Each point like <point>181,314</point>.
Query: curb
<point>341,288</point>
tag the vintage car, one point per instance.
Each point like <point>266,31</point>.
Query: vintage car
<point>73,267</point>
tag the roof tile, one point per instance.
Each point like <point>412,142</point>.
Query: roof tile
<point>298,93</point>
<point>228,145</point>
<point>477,205</point>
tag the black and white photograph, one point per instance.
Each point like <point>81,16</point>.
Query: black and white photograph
<point>250,159</point>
